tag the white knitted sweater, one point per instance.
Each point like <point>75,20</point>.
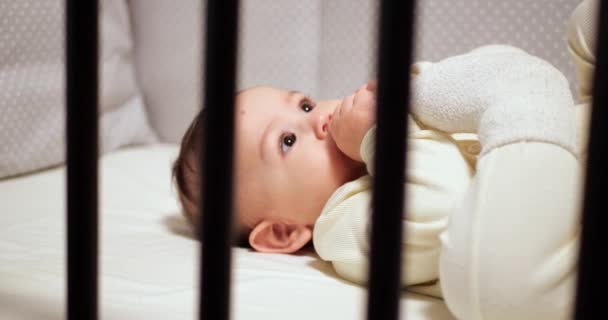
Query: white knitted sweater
<point>531,101</point>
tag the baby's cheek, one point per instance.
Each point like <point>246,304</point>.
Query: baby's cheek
<point>340,168</point>
<point>319,169</point>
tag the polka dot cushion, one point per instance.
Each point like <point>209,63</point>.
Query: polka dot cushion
<point>32,84</point>
<point>323,48</point>
<point>443,28</point>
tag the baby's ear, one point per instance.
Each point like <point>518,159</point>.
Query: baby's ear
<point>279,237</point>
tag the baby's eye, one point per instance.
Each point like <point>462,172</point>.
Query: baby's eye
<point>287,141</point>
<point>307,107</point>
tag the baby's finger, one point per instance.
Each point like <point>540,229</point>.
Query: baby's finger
<point>348,103</point>
<point>334,128</point>
<point>335,118</point>
<point>372,85</point>
<point>338,110</point>
<point>341,107</point>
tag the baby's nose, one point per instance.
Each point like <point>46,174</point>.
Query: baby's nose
<point>320,125</point>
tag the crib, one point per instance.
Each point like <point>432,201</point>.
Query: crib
<point>383,298</point>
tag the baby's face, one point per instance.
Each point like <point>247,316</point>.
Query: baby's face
<point>287,164</point>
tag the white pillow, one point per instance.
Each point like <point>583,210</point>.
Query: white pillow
<point>168,47</point>
<point>32,84</point>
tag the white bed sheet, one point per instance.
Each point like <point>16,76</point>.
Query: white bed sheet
<point>148,263</point>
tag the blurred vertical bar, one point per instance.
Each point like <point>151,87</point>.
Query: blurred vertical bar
<point>589,297</point>
<point>217,144</point>
<point>81,100</point>
<point>394,59</point>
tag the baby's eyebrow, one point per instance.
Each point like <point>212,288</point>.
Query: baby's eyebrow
<point>291,94</point>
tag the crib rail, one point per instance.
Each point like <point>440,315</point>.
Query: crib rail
<point>396,22</point>
<point>593,238</point>
<point>394,58</point>
<point>81,157</point>
<point>216,211</point>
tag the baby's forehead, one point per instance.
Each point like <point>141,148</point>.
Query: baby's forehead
<point>256,100</point>
<point>262,90</point>
<point>261,101</point>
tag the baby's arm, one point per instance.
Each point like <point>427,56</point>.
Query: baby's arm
<point>436,177</point>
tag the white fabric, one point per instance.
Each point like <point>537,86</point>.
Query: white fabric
<point>32,90</point>
<point>496,262</point>
<point>582,44</point>
<point>436,177</point>
<point>168,48</point>
<point>500,92</point>
<point>124,120</point>
<point>511,247</point>
<point>148,262</point>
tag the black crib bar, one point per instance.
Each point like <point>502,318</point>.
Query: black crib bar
<point>394,59</point>
<point>589,301</point>
<point>81,157</point>
<point>217,144</point>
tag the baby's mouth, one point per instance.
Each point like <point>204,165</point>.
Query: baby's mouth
<point>326,125</point>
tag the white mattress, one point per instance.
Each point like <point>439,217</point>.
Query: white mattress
<point>149,263</point>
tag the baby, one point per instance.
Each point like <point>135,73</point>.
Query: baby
<point>303,173</point>
<point>293,153</point>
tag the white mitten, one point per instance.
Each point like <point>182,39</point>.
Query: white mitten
<point>499,92</point>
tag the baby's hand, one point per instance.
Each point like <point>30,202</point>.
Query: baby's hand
<point>352,118</point>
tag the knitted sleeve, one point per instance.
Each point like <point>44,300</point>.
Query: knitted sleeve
<point>436,176</point>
